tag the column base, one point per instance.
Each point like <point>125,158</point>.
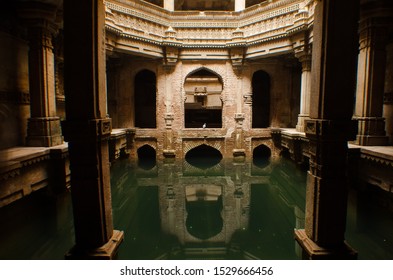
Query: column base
<point>312,251</point>
<point>107,251</point>
<point>300,122</point>
<point>371,132</point>
<point>371,140</point>
<point>44,132</point>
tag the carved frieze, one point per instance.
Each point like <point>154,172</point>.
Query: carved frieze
<point>271,21</point>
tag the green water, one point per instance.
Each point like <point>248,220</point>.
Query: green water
<point>179,211</point>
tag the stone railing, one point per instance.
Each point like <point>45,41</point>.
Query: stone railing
<point>143,22</point>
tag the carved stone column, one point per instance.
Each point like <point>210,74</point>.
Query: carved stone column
<point>43,125</point>
<point>388,95</point>
<point>329,129</point>
<point>305,59</point>
<point>87,130</point>
<point>371,75</point>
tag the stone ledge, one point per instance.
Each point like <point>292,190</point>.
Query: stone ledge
<point>108,251</point>
<point>313,251</point>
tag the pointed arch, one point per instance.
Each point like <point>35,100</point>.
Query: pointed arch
<point>203,104</point>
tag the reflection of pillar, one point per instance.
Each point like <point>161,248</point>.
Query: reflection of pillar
<point>299,223</point>
<point>329,129</point>
<point>87,130</point>
<point>43,125</point>
<point>169,5</point>
<point>240,5</point>
<point>388,94</point>
<point>370,82</point>
<point>305,59</point>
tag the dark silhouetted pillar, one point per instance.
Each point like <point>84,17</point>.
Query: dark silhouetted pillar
<point>87,130</point>
<point>330,126</point>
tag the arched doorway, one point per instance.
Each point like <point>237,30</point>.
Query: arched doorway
<point>203,105</point>
<point>260,100</point>
<point>145,99</point>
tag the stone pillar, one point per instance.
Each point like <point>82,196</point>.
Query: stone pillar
<point>305,91</point>
<point>169,5</point>
<point>240,5</point>
<point>43,125</point>
<point>371,76</point>
<point>87,130</point>
<point>328,130</point>
<point>388,94</point>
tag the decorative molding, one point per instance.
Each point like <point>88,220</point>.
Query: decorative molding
<point>270,22</point>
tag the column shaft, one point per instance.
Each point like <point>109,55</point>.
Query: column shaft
<point>329,129</point>
<point>240,5</point>
<point>304,92</point>
<point>43,125</point>
<point>87,130</point>
<point>388,94</point>
<point>169,5</point>
<point>370,81</point>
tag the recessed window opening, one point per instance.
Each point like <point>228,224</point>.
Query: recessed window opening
<point>203,105</point>
<point>145,99</point>
<point>260,100</point>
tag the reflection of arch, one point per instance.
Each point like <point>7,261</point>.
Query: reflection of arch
<point>203,105</point>
<point>204,206</point>
<point>203,156</point>
<point>260,100</point>
<point>145,99</point>
<point>146,157</point>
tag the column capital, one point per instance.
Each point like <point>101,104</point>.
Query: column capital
<point>39,15</point>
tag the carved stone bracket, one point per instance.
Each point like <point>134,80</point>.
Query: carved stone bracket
<point>248,98</point>
<point>237,55</point>
<point>239,118</point>
<point>168,120</point>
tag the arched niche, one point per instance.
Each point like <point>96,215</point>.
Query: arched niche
<point>203,105</point>
<point>146,157</point>
<point>260,100</point>
<point>145,99</point>
<point>261,156</point>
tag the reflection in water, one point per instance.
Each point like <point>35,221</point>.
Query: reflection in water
<point>225,211</point>
<point>179,211</point>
